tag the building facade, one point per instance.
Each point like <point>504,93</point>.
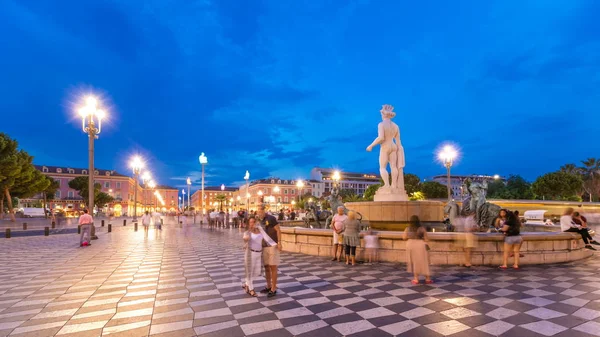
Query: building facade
<point>457,181</point>
<point>119,186</point>
<point>211,199</point>
<point>358,182</point>
<point>277,193</point>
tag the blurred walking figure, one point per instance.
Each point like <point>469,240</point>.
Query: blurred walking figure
<point>371,246</point>
<point>157,220</point>
<point>85,221</point>
<point>146,220</point>
<point>417,256</point>
<point>512,239</point>
<point>467,225</point>
<point>351,239</point>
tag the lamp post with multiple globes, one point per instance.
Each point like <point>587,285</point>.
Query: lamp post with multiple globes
<point>447,156</point>
<point>145,179</point>
<point>91,124</point>
<point>300,185</point>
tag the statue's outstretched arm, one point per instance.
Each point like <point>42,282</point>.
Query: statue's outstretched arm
<point>380,137</point>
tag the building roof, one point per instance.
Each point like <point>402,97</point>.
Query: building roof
<point>77,171</point>
<point>218,189</point>
<point>165,187</point>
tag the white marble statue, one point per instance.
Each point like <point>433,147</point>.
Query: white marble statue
<point>392,153</point>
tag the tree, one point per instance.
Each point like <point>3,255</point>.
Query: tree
<point>591,176</point>
<point>412,183</point>
<point>9,170</point>
<point>50,192</point>
<point>558,186</point>
<point>370,192</point>
<point>80,184</point>
<point>434,190</point>
<point>220,198</point>
<point>349,195</point>
<point>519,188</point>
<point>497,190</point>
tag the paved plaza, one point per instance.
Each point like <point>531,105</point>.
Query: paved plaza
<point>186,282</point>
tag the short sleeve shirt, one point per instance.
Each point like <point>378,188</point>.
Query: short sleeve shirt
<point>338,221</point>
<point>269,222</point>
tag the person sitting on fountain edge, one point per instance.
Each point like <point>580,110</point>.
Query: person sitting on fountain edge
<point>568,225</point>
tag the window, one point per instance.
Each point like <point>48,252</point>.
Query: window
<point>107,173</point>
<point>107,184</point>
<point>44,169</point>
<point>285,199</point>
<point>70,194</point>
<point>272,181</point>
<point>118,196</point>
<point>57,195</point>
<point>118,185</point>
<point>96,172</point>
<point>285,191</point>
<point>293,192</point>
<point>58,170</point>
<point>279,199</point>
<point>71,171</point>
<point>83,171</point>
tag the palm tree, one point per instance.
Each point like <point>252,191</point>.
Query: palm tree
<point>570,168</point>
<point>220,198</point>
<point>590,172</point>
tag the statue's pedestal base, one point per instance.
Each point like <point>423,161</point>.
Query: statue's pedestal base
<point>395,215</point>
<point>390,194</point>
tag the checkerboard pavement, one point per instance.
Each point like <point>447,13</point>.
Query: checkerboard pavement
<point>186,282</point>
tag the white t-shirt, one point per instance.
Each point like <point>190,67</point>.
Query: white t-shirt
<point>156,218</point>
<point>256,241</point>
<point>146,219</point>
<point>566,222</point>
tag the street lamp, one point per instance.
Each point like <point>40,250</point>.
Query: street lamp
<point>145,179</point>
<point>189,184</point>
<point>136,165</point>
<point>447,156</point>
<point>203,161</point>
<point>496,176</point>
<point>91,123</point>
<point>247,178</point>
<point>260,198</point>
<point>300,185</point>
<point>336,178</point>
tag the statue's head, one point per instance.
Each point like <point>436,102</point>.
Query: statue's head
<point>387,111</point>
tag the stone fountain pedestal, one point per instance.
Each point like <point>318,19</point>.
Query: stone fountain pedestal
<point>395,215</point>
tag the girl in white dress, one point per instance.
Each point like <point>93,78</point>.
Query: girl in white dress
<point>253,257</point>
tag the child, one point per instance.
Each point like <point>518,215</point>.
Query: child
<point>371,245</point>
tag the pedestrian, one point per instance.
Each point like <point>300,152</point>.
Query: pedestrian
<point>253,240</point>
<point>351,239</point>
<point>467,240</point>
<point>337,225</point>
<point>271,249</point>
<point>146,220</point>
<point>371,246</point>
<point>512,239</point>
<point>85,221</point>
<point>417,255</point>
<point>157,220</point>
<point>567,224</point>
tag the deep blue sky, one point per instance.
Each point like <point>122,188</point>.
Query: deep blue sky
<point>280,86</point>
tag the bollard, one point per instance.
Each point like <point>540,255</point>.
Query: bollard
<point>109,228</point>
<point>102,223</point>
<point>46,231</point>
<point>79,229</point>
<point>124,222</point>
<point>135,227</point>
<point>8,233</point>
<point>24,226</point>
<point>53,224</point>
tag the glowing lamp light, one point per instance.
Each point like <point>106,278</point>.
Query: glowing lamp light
<point>260,193</point>
<point>203,159</point>
<point>447,155</point>
<point>496,176</point>
<point>336,176</point>
<point>300,184</point>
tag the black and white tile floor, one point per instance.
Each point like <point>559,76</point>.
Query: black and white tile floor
<point>186,282</point>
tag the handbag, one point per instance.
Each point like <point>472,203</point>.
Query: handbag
<point>340,238</point>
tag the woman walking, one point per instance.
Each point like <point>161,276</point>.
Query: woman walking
<point>417,257</point>
<point>351,239</point>
<point>512,239</point>
<point>253,257</point>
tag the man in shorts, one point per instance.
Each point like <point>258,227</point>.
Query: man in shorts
<point>271,248</point>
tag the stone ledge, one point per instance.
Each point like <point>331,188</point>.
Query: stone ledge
<point>538,247</point>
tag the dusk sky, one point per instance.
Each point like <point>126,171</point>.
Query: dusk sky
<point>278,87</point>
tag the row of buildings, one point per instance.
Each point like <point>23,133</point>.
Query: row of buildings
<point>278,193</point>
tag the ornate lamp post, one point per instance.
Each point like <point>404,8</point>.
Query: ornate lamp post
<point>136,165</point>
<point>183,197</point>
<point>300,185</point>
<point>91,123</point>
<point>447,156</point>
<point>203,161</point>
<point>247,178</point>
<point>145,179</point>
<point>189,184</point>
<point>223,192</point>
